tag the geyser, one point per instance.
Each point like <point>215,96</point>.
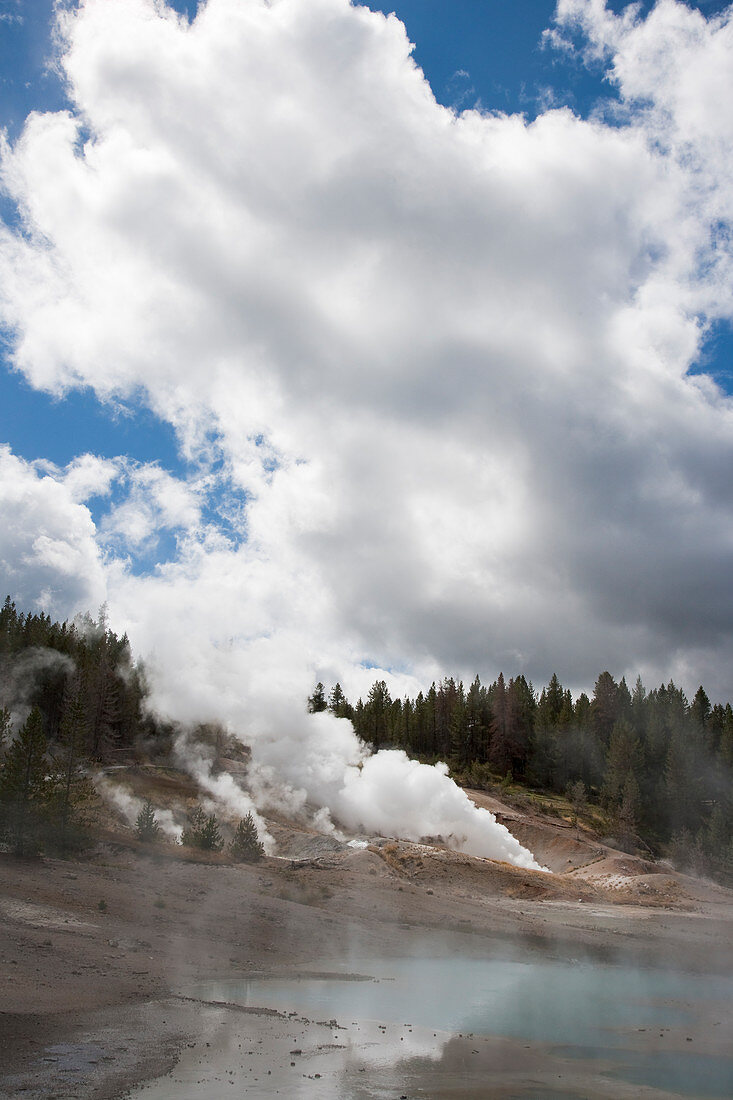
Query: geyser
<point>392,793</point>
<point>316,766</point>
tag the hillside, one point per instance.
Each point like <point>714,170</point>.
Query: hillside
<point>99,951</point>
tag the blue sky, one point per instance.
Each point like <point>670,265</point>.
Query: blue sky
<point>498,46</point>
<point>386,394</point>
<point>496,42</point>
<point>472,51</point>
<point>488,52</point>
<point>35,424</point>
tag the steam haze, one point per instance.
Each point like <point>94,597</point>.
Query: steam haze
<point>437,379</point>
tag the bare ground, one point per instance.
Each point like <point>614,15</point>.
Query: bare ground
<point>97,955</point>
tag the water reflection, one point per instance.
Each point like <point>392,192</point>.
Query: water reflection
<point>552,1001</point>
<point>567,1029</point>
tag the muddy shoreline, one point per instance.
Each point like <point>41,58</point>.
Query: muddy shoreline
<point>96,954</point>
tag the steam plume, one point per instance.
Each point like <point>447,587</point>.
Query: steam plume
<point>224,791</point>
<point>315,765</point>
<point>129,806</point>
<point>19,677</point>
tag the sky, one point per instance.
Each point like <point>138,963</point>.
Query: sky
<point>343,345</point>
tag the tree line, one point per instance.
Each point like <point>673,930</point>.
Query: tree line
<point>658,765</point>
<point>82,678</point>
<point>203,832</point>
<point>83,699</point>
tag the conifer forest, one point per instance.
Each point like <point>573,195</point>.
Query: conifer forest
<point>657,766</point>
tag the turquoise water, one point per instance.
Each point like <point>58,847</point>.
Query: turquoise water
<point>553,1001</point>
<point>642,1024</point>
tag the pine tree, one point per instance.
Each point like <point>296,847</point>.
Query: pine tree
<point>623,758</point>
<point>546,755</point>
<point>106,712</point>
<point>638,706</point>
<point>460,754</point>
<point>478,719</point>
<point>8,625</point>
<point>717,834</point>
<point>24,788</point>
<point>449,699</point>
<point>419,740</point>
<point>338,704</point>
<point>627,816</point>
<point>514,710</point>
<point>726,738</point>
<point>70,786</point>
<point>680,803</point>
<point>582,709</point>
<point>604,708</point>
<point>191,834</point>
<point>245,845</point>
<point>700,710</point>
<point>700,707</point>
<point>376,714</point>
<point>498,756</point>
<point>577,796</point>
<point>146,825</point>
<point>551,702</point>
<point>211,838</point>
<point>4,727</point>
<point>567,711</point>
<point>431,725</point>
<point>317,701</point>
<point>404,731</point>
<point>547,744</point>
<point>202,832</point>
<point>623,701</point>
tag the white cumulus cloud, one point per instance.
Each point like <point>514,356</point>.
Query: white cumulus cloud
<point>444,357</point>
<point>49,558</point>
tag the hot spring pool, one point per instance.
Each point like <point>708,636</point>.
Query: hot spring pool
<point>576,1003</point>
<point>659,1029</point>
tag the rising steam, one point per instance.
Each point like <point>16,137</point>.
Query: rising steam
<point>314,767</point>
<point>384,793</point>
<point>129,806</point>
<point>223,790</point>
<point>20,675</point>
